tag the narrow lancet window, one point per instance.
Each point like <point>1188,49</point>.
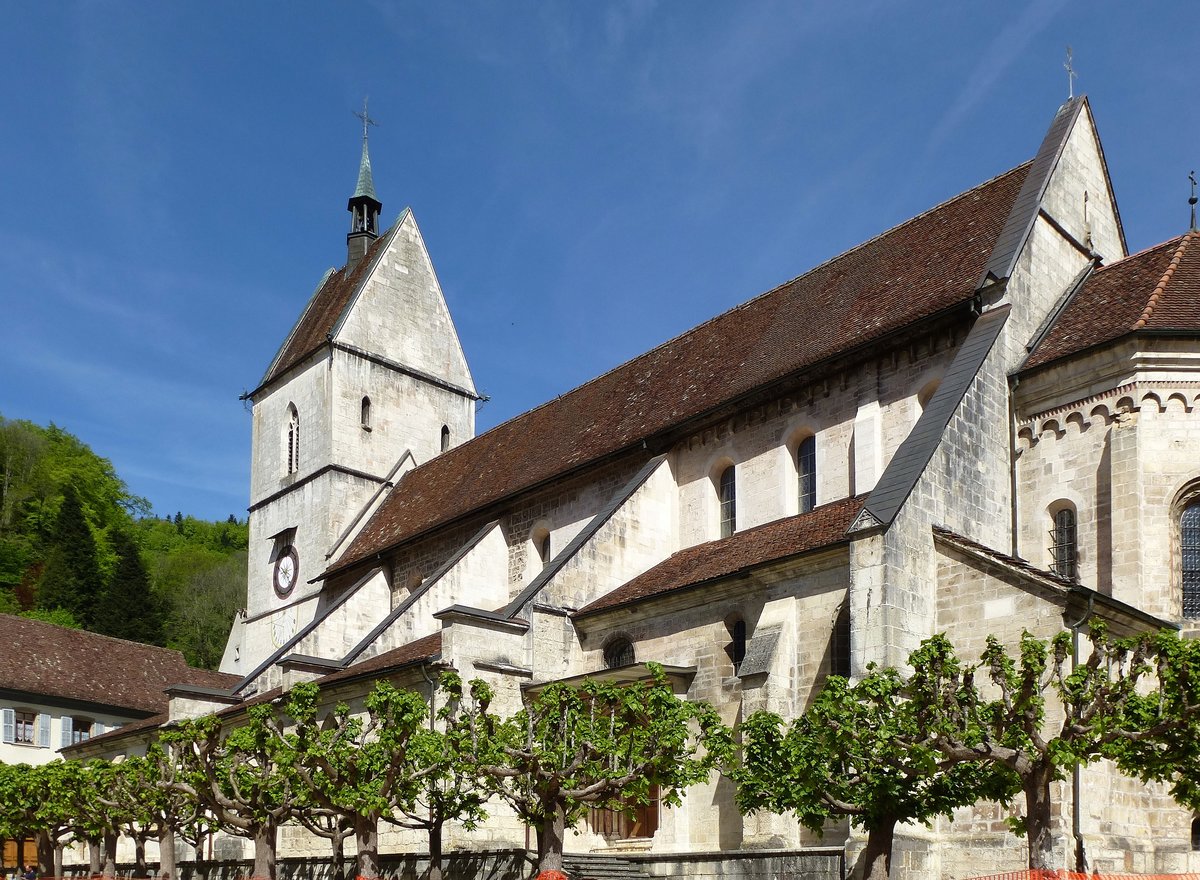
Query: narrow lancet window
<point>806,473</point>
<point>727,492</point>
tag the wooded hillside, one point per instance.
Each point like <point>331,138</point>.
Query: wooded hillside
<point>78,548</point>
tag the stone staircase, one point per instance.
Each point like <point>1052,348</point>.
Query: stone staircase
<point>593,866</point>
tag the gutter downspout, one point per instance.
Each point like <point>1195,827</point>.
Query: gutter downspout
<point>1076,786</point>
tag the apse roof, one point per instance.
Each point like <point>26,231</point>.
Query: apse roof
<point>1157,290</point>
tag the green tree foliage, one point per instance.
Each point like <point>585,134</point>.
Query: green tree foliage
<point>72,579</point>
<point>127,608</point>
<point>238,776</point>
<point>858,752</point>
<point>1046,717</point>
<point>391,765</point>
<point>599,744</point>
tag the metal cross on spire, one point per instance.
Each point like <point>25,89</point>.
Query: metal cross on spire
<point>1071,74</point>
<point>366,120</point>
<point>1192,200</point>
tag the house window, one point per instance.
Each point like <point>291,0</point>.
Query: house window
<point>76,730</point>
<point>1063,544</point>
<point>24,727</point>
<point>293,440</point>
<point>617,653</point>
<point>543,548</point>
<point>365,413</point>
<point>727,493</point>
<point>1189,545</point>
<point>1196,835</point>
<point>806,473</point>
<point>445,437</point>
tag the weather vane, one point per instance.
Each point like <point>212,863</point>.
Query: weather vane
<point>366,120</point>
<point>1071,74</point>
<point>1192,200</point>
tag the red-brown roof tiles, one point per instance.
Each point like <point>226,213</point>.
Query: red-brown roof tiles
<point>323,312</point>
<point>822,527</point>
<point>1157,289</point>
<point>40,658</point>
<point>915,270</point>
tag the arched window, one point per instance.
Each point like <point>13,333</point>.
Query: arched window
<point>806,473</point>
<point>1196,835</point>
<point>445,437</point>
<point>617,653</point>
<point>543,548</point>
<point>293,440</point>
<point>727,494</point>
<point>839,642</point>
<point>1064,544</point>
<point>366,413</point>
<point>1189,558</point>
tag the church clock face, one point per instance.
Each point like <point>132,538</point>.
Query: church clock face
<point>287,571</point>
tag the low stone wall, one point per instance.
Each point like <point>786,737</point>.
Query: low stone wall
<point>812,863</point>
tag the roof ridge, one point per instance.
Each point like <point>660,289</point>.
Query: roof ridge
<point>743,305</point>
<point>87,632</point>
<point>1161,287</point>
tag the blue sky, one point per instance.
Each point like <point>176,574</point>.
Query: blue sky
<point>591,178</point>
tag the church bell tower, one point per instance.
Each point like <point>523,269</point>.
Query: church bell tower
<point>364,205</point>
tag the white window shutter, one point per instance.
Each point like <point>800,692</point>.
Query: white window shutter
<point>98,728</point>
<point>68,726</point>
<point>8,725</point>
<point>43,730</point>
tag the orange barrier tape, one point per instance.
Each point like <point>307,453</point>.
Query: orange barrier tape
<point>1076,875</point>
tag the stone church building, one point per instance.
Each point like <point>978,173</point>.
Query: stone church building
<point>981,421</point>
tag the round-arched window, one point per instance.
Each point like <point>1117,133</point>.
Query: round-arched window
<point>618,653</point>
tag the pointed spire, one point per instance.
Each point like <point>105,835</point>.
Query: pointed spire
<point>364,205</point>
<point>366,185</point>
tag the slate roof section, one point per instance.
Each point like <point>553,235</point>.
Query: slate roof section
<point>1157,290</point>
<point>824,526</point>
<point>1025,209</point>
<point>918,269</point>
<point>910,460</point>
<point>324,310</point>
<point>72,664</point>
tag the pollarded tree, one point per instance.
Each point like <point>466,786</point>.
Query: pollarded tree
<point>1092,711</point>
<point>235,774</point>
<point>390,765</point>
<point>856,752</point>
<point>598,744</point>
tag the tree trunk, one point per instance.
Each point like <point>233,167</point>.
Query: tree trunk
<point>550,835</point>
<point>435,850</point>
<point>338,841</point>
<point>139,857</point>
<point>57,859</point>
<point>110,854</point>
<point>45,855</point>
<point>94,857</point>
<point>264,851</point>
<point>1037,820</point>
<point>166,853</point>
<point>366,836</point>
<point>875,861</point>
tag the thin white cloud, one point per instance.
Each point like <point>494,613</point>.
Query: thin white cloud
<point>1001,53</point>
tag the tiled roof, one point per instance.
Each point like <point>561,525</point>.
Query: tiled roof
<point>40,658</point>
<point>1002,558</point>
<point>822,527</point>
<point>323,312</point>
<point>1157,289</point>
<point>915,270</point>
